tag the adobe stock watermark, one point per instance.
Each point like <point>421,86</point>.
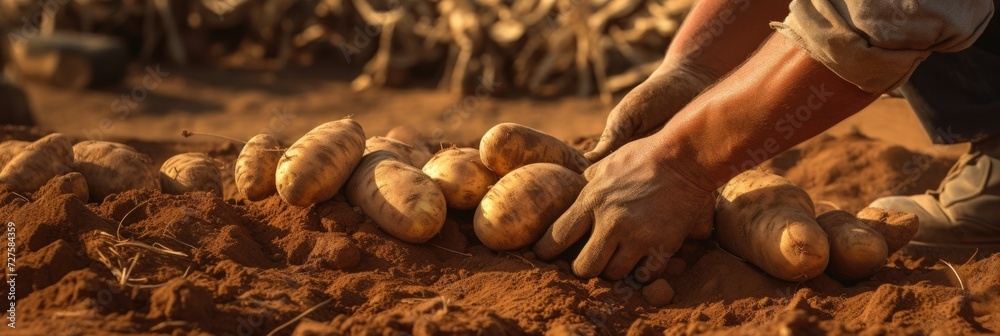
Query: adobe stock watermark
<point>279,121</point>
<point>918,164</point>
<point>364,36</point>
<point>717,25</point>
<point>455,115</point>
<point>128,101</point>
<point>31,24</point>
<point>248,325</point>
<point>786,127</point>
<point>893,29</point>
<point>631,285</point>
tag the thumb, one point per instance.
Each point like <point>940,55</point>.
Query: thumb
<point>570,227</point>
<point>614,136</point>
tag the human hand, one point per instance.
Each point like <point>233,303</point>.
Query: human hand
<point>638,211</point>
<point>649,106</point>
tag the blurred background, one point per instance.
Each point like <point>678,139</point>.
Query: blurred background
<point>432,62</point>
<point>147,69</point>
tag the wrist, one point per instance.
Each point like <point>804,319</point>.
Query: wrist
<point>679,160</point>
<point>687,75</point>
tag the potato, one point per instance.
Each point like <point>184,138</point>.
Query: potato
<point>509,146</point>
<point>256,167</point>
<point>9,149</point>
<point>414,156</point>
<point>39,162</point>
<point>897,227</point>
<point>518,210</point>
<point>111,168</point>
<point>856,250</point>
<point>409,136</point>
<point>316,166</point>
<point>771,223</point>
<point>462,176</point>
<point>188,172</point>
<point>402,200</point>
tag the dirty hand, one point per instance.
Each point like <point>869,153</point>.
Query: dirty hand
<point>638,206</point>
<point>645,109</point>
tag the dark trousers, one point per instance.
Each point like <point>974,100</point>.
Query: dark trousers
<point>956,96</point>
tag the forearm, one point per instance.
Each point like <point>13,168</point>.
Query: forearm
<point>777,99</point>
<point>718,35</point>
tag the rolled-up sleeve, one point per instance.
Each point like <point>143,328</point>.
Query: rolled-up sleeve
<point>876,44</point>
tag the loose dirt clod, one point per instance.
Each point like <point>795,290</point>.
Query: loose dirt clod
<point>72,184</point>
<point>658,293</point>
<point>335,251</point>
<point>179,299</point>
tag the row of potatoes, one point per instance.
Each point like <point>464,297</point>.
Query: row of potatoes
<point>519,181</point>
<point>97,169</point>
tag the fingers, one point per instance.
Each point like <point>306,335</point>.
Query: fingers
<point>614,136</point>
<point>594,257</point>
<point>623,261</point>
<point>570,227</point>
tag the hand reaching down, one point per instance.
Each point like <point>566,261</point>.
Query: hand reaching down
<point>638,212</point>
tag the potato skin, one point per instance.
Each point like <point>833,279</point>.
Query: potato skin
<point>856,250</point>
<point>111,168</point>
<point>509,146</point>
<point>414,156</point>
<point>462,176</point>
<point>402,200</point>
<point>770,222</point>
<point>518,210</point>
<point>39,162</point>
<point>897,227</point>
<point>256,167</point>
<point>9,149</point>
<point>188,172</point>
<point>316,166</point>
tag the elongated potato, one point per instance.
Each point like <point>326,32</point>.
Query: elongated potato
<point>462,176</point>
<point>518,210</point>
<point>856,250</point>
<point>401,199</point>
<point>188,172</point>
<point>509,146</point>
<point>414,156</point>
<point>770,222</point>
<point>316,166</point>
<point>111,168</point>
<point>39,162</point>
<point>9,149</point>
<point>256,167</point>
<point>897,227</point>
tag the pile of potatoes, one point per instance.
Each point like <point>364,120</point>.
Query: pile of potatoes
<point>772,223</point>
<point>519,181</point>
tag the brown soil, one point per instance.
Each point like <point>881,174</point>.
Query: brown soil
<point>246,268</point>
